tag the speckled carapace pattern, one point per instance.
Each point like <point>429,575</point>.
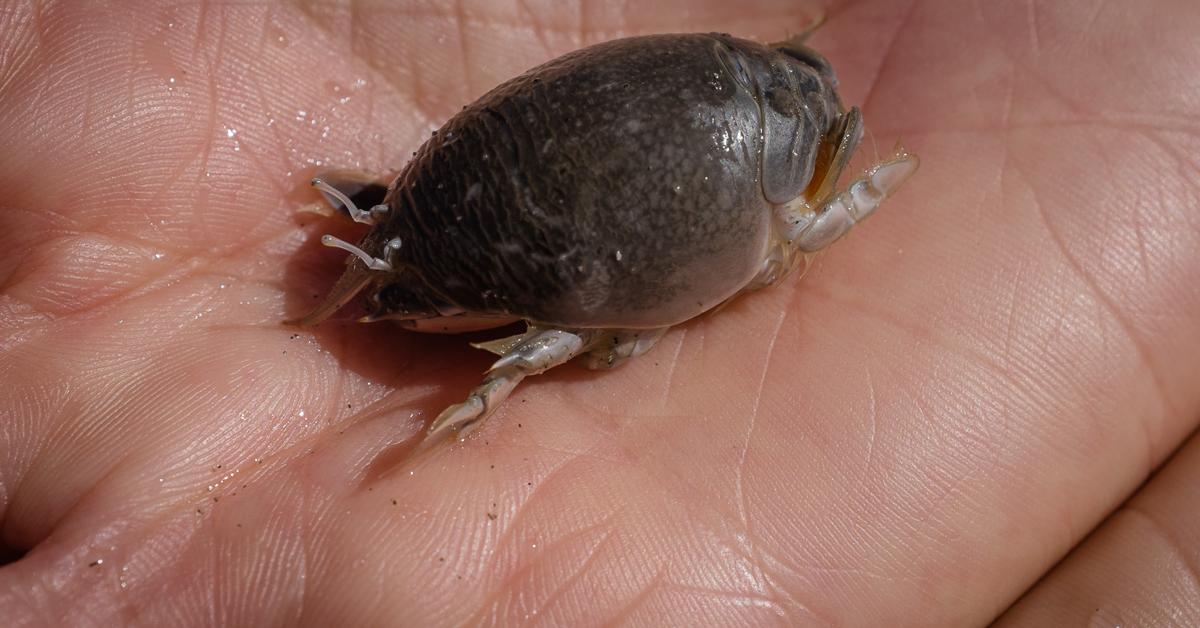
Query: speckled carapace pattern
<point>616,186</point>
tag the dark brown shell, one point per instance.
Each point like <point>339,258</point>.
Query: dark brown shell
<point>617,186</point>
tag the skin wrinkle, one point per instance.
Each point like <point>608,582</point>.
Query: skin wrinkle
<point>1117,124</point>
<point>1179,548</point>
<point>913,329</point>
<point>171,275</point>
<point>1010,357</point>
<point>280,146</point>
<point>671,382</point>
<point>1010,316</point>
<point>874,414</point>
<point>747,537</point>
<point>507,536</point>
<point>409,93</point>
<point>1143,256</point>
<point>741,546</point>
<point>1090,22</point>
<point>731,596</point>
<point>1031,15</point>
<point>767,585</point>
<point>564,586</point>
<point>1186,168</point>
<point>20,472</point>
<point>1152,451</point>
<point>531,17</point>
<point>680,337</point>
<point>460,25</point>
<point>643,596</point>
<point>489,604</point>
<point>887,57</point>
<point>184,502</point>
<point>211,111</point>
<point>14,66</point>
<point>586,455</point>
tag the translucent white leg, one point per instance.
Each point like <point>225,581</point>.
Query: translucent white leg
<point>366,217</point>
<point>538,351</point>
<point>374,263</point>
<point>812,231</point>
<point>615,347</point>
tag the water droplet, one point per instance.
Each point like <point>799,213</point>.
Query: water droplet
<point>277,36</point>
<point>157,55</point>
<point>1104,618</point>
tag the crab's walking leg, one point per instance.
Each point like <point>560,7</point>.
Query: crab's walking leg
<point>537,351</point>
<point>812,231</point>
<point>613,348</point>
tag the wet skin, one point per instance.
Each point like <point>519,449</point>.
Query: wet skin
<point>945,406</point>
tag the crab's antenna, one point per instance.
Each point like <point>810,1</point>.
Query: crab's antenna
<point>374,263</point>
<point>366,217</point>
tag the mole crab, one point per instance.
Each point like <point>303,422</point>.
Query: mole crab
<point>606,196</point>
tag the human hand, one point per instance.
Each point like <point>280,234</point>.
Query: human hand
<point>954,396</point>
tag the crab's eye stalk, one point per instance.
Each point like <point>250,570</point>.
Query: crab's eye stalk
<point>809,57</point>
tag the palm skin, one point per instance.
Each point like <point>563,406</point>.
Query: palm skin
<point>915,432</point>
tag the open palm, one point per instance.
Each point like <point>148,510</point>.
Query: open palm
<point>915,432</point>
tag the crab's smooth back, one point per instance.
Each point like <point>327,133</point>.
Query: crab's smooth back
<point>619,185</point>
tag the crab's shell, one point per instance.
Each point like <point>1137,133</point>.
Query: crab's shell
<point>619,187</point>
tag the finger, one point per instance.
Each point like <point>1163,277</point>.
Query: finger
<point>1139,568</point>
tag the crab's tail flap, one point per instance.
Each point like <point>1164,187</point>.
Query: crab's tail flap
<point>356,277</point>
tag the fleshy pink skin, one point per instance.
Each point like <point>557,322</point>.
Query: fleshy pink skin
<point>947,404</point>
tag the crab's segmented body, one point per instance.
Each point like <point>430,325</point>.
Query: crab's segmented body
<point>608,195</point>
